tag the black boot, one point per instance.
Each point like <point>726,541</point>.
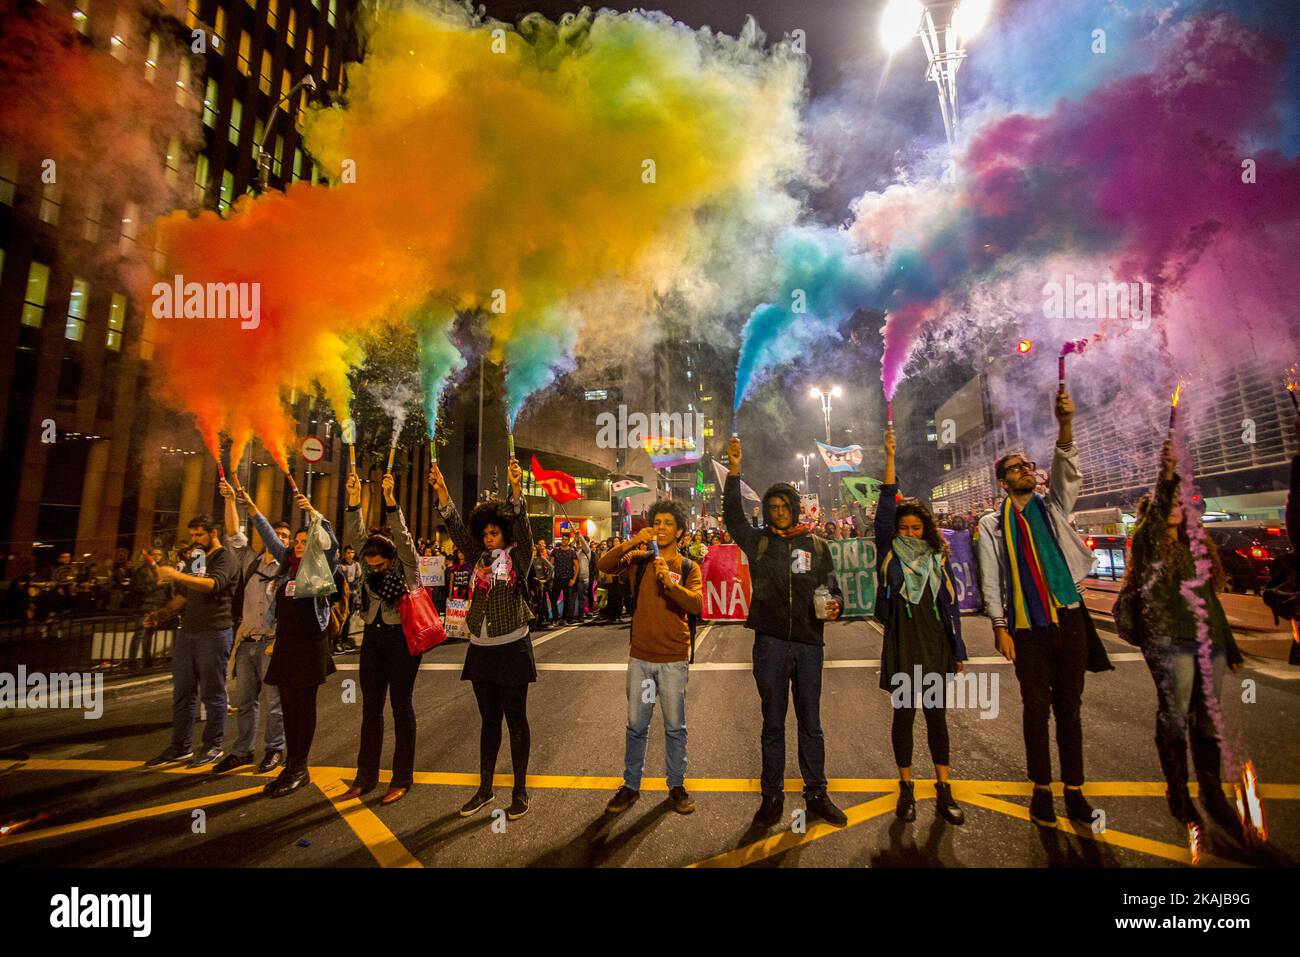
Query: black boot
<point>1207,758</point>
<point>949,809</point>
<point>1173,762</point>
<point>906,801</point>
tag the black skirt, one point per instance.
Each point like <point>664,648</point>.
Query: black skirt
<point>301,656</point>
<point>918,639</point>
<point>509,665</point>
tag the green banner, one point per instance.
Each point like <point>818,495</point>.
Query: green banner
<point>865,490</point>
<point>855,570</point>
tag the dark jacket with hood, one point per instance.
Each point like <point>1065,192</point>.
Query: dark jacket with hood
<point>781,604</point>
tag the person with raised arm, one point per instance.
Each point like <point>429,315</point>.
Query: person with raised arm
<point>388,669</point>
<point>794,594</point>
<point>499,662</point>
<point>300,654</point>
<point>1032,567</point>
<point>916,605</point>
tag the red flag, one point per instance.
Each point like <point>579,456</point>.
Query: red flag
<point>559,485</point>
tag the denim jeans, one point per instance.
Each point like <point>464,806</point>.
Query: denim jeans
<point>780,665</point>
<point>251,662</point>
<point>573,600</point>
<point>648,682</point>
<point>199,669</point>
<point>1180,691</point>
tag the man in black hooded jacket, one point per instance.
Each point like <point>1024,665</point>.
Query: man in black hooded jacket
<point>786,565</point>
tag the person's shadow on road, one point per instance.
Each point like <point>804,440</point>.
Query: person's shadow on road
<point>595,847</point>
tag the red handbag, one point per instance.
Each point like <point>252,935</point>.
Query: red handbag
<point>420,621</point>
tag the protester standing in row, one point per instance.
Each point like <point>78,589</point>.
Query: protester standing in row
<point>668,587</point>
<point>916,604</point>
<point>300,654</point>
<point>1032,567</point>
<point>388,669</point>
<point>1152,612</point>
<point>787,566</point>
<point>254,630</point>
<point>202,649</point>
<point>499,662</point>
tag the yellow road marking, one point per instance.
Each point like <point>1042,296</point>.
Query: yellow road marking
<point>127,816</point>
<point>1146,845</point>
<point>382,844</point>
<point>779,843</point>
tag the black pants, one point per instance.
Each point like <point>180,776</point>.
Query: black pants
<point>388,669</point>
<point>782,666</point>
<point>299,708</point>
<point>1050,666</point>
<point>494,702</point>
<point>936,733</point>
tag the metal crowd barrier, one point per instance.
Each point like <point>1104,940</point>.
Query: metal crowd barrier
<point>96,643</point>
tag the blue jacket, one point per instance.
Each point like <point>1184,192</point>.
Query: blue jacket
<point>889,582</point>
<point>279,553</point>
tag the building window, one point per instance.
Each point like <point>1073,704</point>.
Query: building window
<point>116,322</point>
<point>192,14</point>
<point>120,42</point>
<point>76,326</point>
<point>130,226</point>
<point>219,31</point>
<point>273,13</point>
<point>309,51</point>
<point>258,131</point>
<point>201,179</point>
<point>51,202</point>
<point>38,282</point>
<point>183,81</point>
<point>331,12</point>
<point>293,26</point>
<point>297,164</point>
<point>8,178</point>
<point>151,59</point>
<point>173,160</point>
<point>81,17</point>
<point>236,118</point>
<point>264,75</point>
<point>227,191</point>
<point>245,42</point>
<point>278,164</point>
<point>286,84</point>
<point>325,65</point>
<point>94,213</point>
<point>210,104</point>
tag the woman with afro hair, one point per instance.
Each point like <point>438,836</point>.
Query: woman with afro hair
<point>499,662</point>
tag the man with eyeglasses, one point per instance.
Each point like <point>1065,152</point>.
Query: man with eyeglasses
<point>1032,567</point>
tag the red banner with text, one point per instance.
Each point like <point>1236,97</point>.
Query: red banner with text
<point>725,572</point>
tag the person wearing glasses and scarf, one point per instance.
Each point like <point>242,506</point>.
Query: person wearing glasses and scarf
<point>499,662</point>
<point>916,604</point>
<point>388,669</point>
<point>1032,567</point>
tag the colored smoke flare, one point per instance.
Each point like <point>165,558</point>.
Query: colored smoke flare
<point>352,456</point>
<point>510,444</point>
<point>1249,807</point>
<point>1074,345</point>
<point>433,451</point>
<point>1173,404</point>
<point>889,413</point>
<point>1293,385</point>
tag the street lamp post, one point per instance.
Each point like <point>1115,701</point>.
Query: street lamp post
<point>825,396</point>
<point>944,47</point>
<point>805,458</point>
<point>263,157</point>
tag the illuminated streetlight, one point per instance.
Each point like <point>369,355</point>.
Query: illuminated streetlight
<point>944,47</point>
<point>804,457</point>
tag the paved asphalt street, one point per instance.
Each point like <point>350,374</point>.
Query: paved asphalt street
<point>100,808</point>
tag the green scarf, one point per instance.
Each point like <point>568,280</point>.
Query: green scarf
<point>921,565</point>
